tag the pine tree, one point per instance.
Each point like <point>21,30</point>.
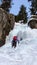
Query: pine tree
<point>33,8</point>
<point>22,14</point>
<point>6,5</point>
<point>29,0</point>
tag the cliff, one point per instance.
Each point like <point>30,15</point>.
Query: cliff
<point>7,21</point>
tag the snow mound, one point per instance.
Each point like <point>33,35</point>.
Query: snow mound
<point>26,51</point>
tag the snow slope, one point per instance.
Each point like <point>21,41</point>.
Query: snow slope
<point>26,51</point>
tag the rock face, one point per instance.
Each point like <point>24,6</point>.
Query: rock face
<point>33,21</point>
<point>12,20</point>
<point>6,24</point>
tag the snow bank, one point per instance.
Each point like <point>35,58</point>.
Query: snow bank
<point>25,53</point>
<point>23,31</point>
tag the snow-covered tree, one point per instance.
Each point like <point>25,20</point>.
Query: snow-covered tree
<point>33,8</point>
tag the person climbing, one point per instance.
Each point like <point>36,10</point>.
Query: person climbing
<point>14,41</point>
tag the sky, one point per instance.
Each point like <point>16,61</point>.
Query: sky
<point>17,4</point>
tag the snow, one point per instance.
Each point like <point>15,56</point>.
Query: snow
<point>26,51</point>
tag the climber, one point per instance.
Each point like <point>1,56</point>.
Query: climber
<point>14,41</point>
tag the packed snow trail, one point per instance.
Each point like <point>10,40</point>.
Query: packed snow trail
<point>26,51</point>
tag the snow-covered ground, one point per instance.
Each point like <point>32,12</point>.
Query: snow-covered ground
<point>26,51</point>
